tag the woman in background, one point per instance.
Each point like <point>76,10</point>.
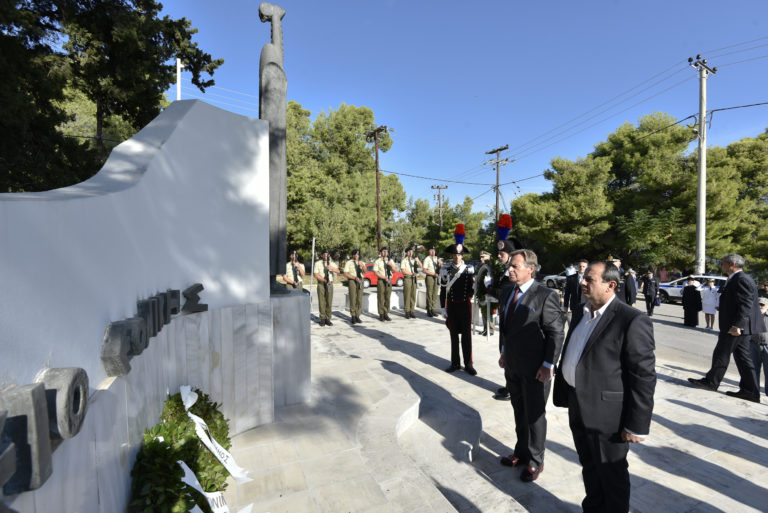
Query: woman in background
<point>710,299</point>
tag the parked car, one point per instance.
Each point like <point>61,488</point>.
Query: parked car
<point>370,278</point>
<point>554,281</point>
<point>672,291</point>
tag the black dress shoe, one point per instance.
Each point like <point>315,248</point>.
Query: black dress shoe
<point>387,317</point>
<point>703,383</point>
<point>470,370</point>
<point>381,318</point>
<point>531,473</point>
<point>322,322</point>
<point>359,320</point>
<point>502,396</point>
<point>328,322</point>
<point>483,333</point>
<point>744,395</point>
<point>453,368</point>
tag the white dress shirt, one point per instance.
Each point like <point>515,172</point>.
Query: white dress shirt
<point>579,337</point>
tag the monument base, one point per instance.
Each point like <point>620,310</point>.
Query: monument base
<point>291,343</point>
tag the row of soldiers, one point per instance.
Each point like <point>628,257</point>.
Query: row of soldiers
<point>325,270</point>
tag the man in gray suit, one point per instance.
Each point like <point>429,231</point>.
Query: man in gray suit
<point>532,325</point>
<point>740,318</point>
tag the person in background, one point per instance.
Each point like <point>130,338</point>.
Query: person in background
<point>630,287</point>
<point>480,274</point>
<point>383,267</point>
<point>650,291</point>
<point>353,272</point>
<point>431,269</point>
<point>459,289</point>
<point>691,303</point>
<point>740,318</point>
<point>763,292</point>
<point>620,294</point>
<point>710,299</point>
<point>505,245</point>
<point>572,296</point>
<point>294,272</point>
<point>409,267</point>
<point>760,347</point>
<point>324,271</point>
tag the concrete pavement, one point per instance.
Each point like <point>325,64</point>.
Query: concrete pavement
<point>387,430</point>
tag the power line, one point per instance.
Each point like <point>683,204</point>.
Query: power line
<point>221,102</point>
<point>225,89</point>
<point>527,154</point>
<point>744,60</point>
<point>736,44</point>
<point>432,178</point>
<point>207,94</point>
<point>527,143</point>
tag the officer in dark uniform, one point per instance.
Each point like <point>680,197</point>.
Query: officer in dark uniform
<point>459,289</point>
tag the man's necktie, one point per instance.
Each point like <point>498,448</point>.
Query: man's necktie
<point>512,304</point>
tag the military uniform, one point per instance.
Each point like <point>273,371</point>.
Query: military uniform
<point>355,287</point>
<point>384,286</point>
<point>458,307</point>
<point>482,273</point>
<point>325,289</point>
<point>409,265</point>
<point>431,265</point>
<point>293,271</point>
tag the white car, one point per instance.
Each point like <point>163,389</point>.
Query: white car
<point>672,291</point>
<point>555,281</point>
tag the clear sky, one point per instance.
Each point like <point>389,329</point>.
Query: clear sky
<point>456,79</point>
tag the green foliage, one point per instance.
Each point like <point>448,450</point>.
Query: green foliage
<point>332,180</point>
<point>157,480</point>
<point>157,476</point>
<point>115,53</point>
<point>635,196</point>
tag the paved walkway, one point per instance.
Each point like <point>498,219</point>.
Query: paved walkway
<point>387,430</point>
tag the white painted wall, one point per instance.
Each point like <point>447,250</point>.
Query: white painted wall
<point>184,201</point>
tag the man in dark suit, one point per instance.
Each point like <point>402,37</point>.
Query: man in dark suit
<point>739,319</point>
<point>606,379</point>
<point>630,287</point>
<point>572,296</point>
<point>532,325</point>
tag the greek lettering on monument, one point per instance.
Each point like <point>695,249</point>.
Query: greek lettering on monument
<point>272,108</point>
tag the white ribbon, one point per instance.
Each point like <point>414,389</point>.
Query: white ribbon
<point>215,499</point>
<point>201,428</point>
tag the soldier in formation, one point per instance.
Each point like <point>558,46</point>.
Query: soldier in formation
<point>353,272</point>
<point>294,272</point>
<point>409,267</point>
<point>383,267</point>
<point>324,271</point>
<point>431,269</point>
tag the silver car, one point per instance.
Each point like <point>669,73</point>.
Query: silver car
<point>555,281</point>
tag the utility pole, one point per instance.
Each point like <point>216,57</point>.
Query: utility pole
<point>375,135</point>
<point>179,67</point>
<point>439,199</point>
<point>704,70</point>
<point>498,162</point>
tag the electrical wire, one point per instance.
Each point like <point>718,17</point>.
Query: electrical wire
<point>529,153</point>
<point>743,60</point>
<point>221,102</point>
<point>435,179</point>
